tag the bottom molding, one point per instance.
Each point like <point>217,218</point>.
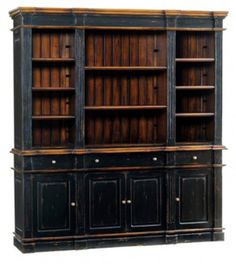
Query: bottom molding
<point>69,244</point>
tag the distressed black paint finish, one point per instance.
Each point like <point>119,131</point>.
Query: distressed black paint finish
<point>104,196</point>
<point>194,198</point>
<point>146,200</point>
<point>118,120</point>
<point>54,205</point>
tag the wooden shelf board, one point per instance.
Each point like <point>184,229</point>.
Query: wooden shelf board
<point>41,89</point>
<point>125,68</point>
<point>52,117</point>
<point>194,59</point>
<point>196,87</point>
<point>194,114</point>
<point>53,59</point>
<point>126,107</point>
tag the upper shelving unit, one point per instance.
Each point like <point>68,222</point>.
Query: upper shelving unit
<point>195,86</point>
<point>53,77</point>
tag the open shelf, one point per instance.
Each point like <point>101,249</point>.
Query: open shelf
<point>194,59</point>
<point>195,44</point>
<point>126,107</point>
<point>125,68</point>
<point>53,59</point>
<point>125,127</point>
<point>52,89</point>
<point>194,114</point>
<point>194,88</point>
<point>125,48</point>
<point>52,117</point>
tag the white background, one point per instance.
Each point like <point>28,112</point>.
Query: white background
<point>213,252</point>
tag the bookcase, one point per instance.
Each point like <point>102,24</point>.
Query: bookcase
<point>118,127</point>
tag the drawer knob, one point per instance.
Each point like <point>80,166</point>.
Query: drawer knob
<point>72,204</point>
<point>54,161</point>
<point>123,202</point>
<point>194,157</point>
<point>177,199</point>
<point>97,160</point>
<point>154,158</point>
<point>129,201</point>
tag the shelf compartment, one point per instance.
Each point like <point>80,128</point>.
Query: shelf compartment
<point>195,101</point>
<point>128,107</point>
<point>53,104</point>
<point>125,68</point>
<point>125,127</point>
<point>194,114</point>
<point>53,133</point>
<point>125,48</point>
<point>50,117</point>
<point>196,87</point>
<point>125,88</point>
<point>195,74</point>
<point>195,44</point>
<point>53,75</point>
<point>52,44</point>
<point>52,89</point>
<point>199,130</point>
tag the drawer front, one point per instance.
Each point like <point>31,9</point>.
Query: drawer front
<point>125,160</point>
<point>193,157</point>
<point>52,162</point>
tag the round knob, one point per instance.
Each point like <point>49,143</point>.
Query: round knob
<point>97,160</point>
<point>177,199</point>
<point>72,203</point>
<point>129,201</point>
<point>154,158</point>
<point>123,202</point>
<point>194,157</point>
<point>54,161</point>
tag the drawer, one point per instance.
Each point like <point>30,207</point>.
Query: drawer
<point>193,157</point>
<point>51,162</point>
<point>124,160</point>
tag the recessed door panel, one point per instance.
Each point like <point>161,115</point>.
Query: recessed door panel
<point>54,204</point>
<point>104,202</point>
<point>145,201</point>
<point>194,192</point>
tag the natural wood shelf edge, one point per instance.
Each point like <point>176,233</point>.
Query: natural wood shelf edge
<point>125,68</point>
<point>124,107</point>
<point>36,152</point>
<point>194,114</point>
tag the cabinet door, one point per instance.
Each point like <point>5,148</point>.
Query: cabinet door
<point>104,210</point>
<point>54,204</point>
<point>194,198</point>
<point>146,200</point>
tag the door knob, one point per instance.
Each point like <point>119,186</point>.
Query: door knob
<point>129,201</point>
<point>177,199</point>
<point>72,204</point>
<point>194,157</point>
<point>123,202</point>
